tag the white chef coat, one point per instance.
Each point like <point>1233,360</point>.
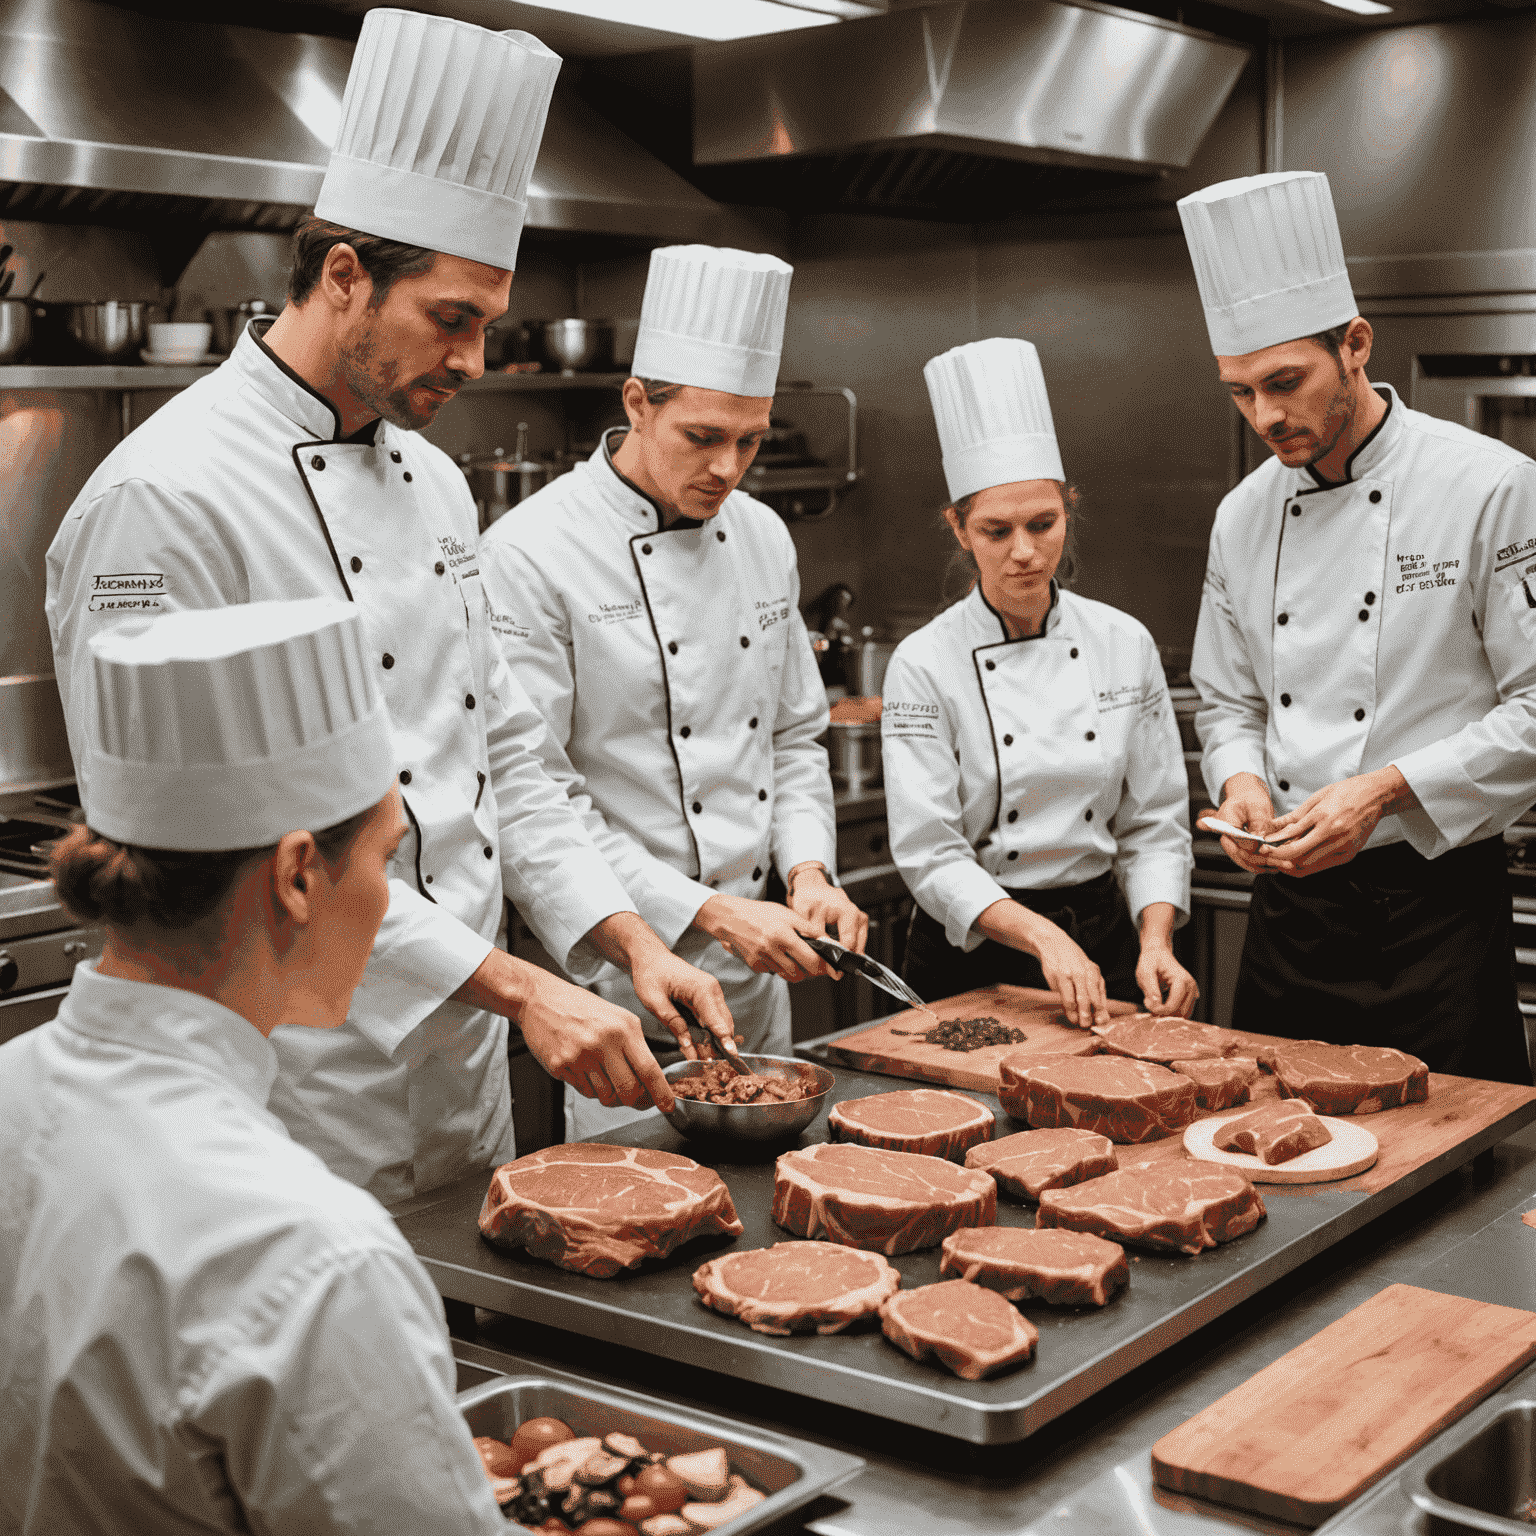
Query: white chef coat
<point>1389,619</point>
<point>1032,763</point>
<point>202,1328</point>
<point>682,696</point>
<point>237,491</point>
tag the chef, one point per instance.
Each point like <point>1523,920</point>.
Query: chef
<point>652,612</point>
<point>201,1327</point>
<point>1034,779</point>
<point>1366,660</point>
<point>296,470</point>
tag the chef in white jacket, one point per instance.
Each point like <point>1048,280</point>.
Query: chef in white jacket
<point>651,610</point>
<point>1366,660</point>
<point>1034,780</point>
<point>201,1327</point>
<point>296,470</point>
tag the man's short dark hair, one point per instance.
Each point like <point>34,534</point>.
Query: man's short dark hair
<point>1332,340</point>
<point>385,261</point>
<point>659,391</point>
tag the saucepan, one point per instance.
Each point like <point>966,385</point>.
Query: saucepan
<point>773,1121</point>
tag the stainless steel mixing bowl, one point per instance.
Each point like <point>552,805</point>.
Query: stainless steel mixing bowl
<point>751,1122</point>
<point>573,346</point>
<point>112,331</point>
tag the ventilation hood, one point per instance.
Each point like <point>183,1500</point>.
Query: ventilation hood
<point>111,117</point>
<point>971,111</point>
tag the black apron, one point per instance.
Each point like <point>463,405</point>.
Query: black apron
<point>1093,914</point>
<point>1391,949</point>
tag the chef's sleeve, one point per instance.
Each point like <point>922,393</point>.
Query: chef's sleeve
<point>329,1404</point>
<point>1234,714</point>
<point>1475,782</point>
<point>919,738</point>
<point>804,825</point>
<point>1153,852</point>
<point>140,549</point>
<point>532,630</point>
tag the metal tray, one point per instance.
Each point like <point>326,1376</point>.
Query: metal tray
<point>791,1472</point>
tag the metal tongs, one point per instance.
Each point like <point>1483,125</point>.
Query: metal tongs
<point>839,957</point>
<point>1226,829</point>
<point>726,1050</point>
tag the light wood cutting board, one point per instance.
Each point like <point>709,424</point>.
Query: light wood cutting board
<point>1310,1433</point>
<point>882,1049</point>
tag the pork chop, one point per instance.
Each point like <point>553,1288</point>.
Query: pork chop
<point>1347,1079</point>
<point>1179,1207</point>
<point>1127,1101</point>
<point>600,1209</point>
<point>1220,1084</point>
<point>1065,1269</point>
<point>930,1121</point>
<point>1029,1162</point>
<point>1148,1038</point>
<point>797,1287</point>
<point>1275,1132</point>
<point>871,1197</point>
<point>966,1327</point>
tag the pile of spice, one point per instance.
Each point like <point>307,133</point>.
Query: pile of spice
<point>967,1034</point>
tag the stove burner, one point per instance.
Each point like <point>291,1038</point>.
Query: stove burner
<point>27,840</point>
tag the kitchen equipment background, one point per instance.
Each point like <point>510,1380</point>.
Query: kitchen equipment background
<point>15,330</point>
<point>572,346</point>
<point>230,320</point>
<point>499,482</point>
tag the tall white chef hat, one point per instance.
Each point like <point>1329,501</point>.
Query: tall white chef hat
<point>993,415</point>
<point>714,318</point>
<point>440,127</point>
<point>225,728</point>
<point>1268,260</point>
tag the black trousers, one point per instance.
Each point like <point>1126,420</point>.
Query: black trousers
<point>1093,914</point>
<point>1391,949</point>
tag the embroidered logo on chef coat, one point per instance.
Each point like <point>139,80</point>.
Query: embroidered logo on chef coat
<point>127,591</point>
<point>617,613</point>
<point>774,611</point>
<point>1418,573</point>
<point>456,553</point>
<point>508,626</point>
<point>1517,562</point>
<point>914,722</point>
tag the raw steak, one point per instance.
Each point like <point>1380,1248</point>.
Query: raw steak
<point>1066,1269</point>
<point>1275,1133</point>
<point>1347,1079</point>
<point>970,1329</point>
<point>1185,1207</point>
<point>599,1209</point>
<point>1080,1043</point>
<point>1148,1038</point>
<point>797,1287</point>
<point>1127,1101</point>
<point>870,1197</point>
<point>1029,1162</point>
<point>1220,1084</point>
<point>931,1121</point>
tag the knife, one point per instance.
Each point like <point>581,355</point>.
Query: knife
<point>844,959</point>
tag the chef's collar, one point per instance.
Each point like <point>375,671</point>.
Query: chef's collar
<point>607,445</point>
<point>169,1021</point>
<point>1368,457</point>
<point>992,621</point>
<point>293,395</point>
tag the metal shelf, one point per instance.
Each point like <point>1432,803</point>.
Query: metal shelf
<point>112,376</point>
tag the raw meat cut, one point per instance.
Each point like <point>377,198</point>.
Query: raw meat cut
<point>968,1328</point>
<point>1127,1101</point>
<point>1275,1133</point>
<point>931,1121</point>
<point>1182,1207</point>
<point>1219,1084</point>
<point>1079,1043</point>
<point>1347,1079</point>
<point>797,1287</point>
<point>870,1197</point>
<point>600,1209</point>
<point>1029,1162</point>
<point>1066,1269</point>
<point>1149,1038</point>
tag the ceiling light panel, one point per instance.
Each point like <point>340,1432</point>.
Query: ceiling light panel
<point>716,21</point>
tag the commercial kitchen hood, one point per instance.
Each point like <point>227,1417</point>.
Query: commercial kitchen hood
<point>971,110</point>
<point>112,117</point>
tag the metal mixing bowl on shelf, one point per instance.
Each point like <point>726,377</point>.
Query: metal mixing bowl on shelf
<point>773,1121</point>
<point>572,346</point>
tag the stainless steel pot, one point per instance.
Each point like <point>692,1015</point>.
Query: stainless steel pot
<point>111,331</point>
<point>15,329</point>
<point>573,346</point>
<point>499,483</point>
<point>229,323</point>
<point>853,748</point>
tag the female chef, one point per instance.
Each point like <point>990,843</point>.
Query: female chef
<point>201,1327</point>
<point>1034,779</point>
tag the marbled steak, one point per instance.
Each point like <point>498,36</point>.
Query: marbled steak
<point>1347,1079</point>
<point>1066,1269</point>
<point>1180,1207</point>
<point>1275,1132</point>
<point>1127,1101</point>
<point>1149,1038</point>
<point>966,1327</point>
<point>932,1121</point>
<point>797,1287</point>
<point>1030,1162</point>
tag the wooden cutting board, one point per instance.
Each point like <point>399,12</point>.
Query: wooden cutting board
<point>883,1048</point>
<point>1310,1433</point>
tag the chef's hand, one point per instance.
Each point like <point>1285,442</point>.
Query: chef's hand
<point>766,936</point>
<point>1246,804</point>
<point>1337,822</point>
<point>1167,988</point>
<point>576,1036</point>
<point>661,980</point>
<point>1069,973</point>
<point>814,897</point>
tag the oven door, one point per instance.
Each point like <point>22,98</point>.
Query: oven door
<point>1500,405</point>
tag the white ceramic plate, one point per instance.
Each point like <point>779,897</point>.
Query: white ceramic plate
<point>1352,1150</point>
<point>181,362</point>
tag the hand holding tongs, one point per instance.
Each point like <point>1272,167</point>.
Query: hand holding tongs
<point>726,1048</point>
<point>844,959</point>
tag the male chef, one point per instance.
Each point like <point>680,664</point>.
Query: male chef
<point>1366,660</point>
<point>652,612</point>
<point>295,471</point>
